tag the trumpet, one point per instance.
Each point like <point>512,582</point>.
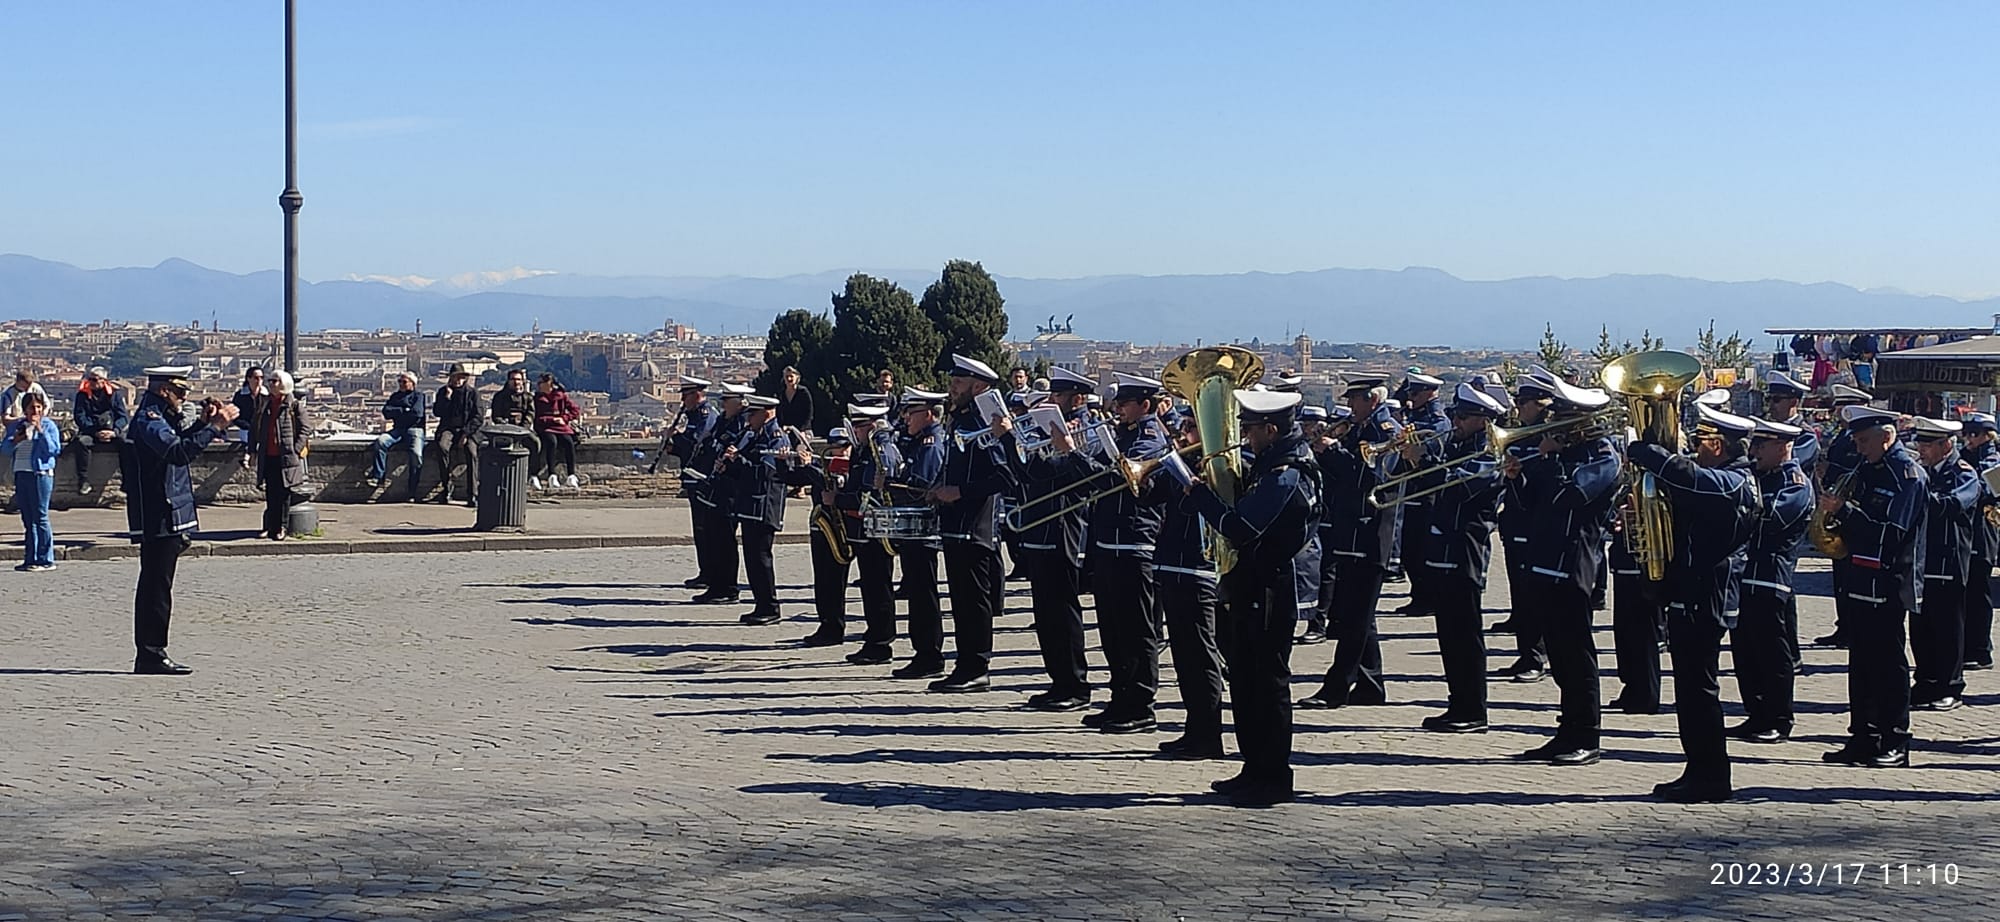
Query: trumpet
<point>980,437</point>
<point>1124,474</point>
<point>1497,441</point>
<point>1372,452</point>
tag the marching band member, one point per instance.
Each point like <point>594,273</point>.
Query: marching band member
<point>1320,439</point>
<point>868,466</point>
<point>1782,396</point>
<point>682,442</point>
<point>1269,527</point>
<point>823,485</point>
<point>974,477</point>
<point>1837,458</point>
<point>1570,486</point>
<point>717,502</point>
<point>922,451</point>
<point>1422,410</point>
<point>1638,627</point>
<point>1716,505</point>
<point>1533,395</point>
<point>757,470</point>
<point>1362,539</point>
<point>1882,521</point>
<point>1937,628</point>
<point>1760,641</point>
<point>1124,532</point>
<point>1188,600</point>
<point>1980,452</point>
<point>1052,552</point>
<point>1461,520</point>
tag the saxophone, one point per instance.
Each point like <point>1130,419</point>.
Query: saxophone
<point>1651,384</point>
<point>1823,530</point>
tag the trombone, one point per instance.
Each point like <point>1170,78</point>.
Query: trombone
<point>1124,474</point>
<point>1497,441</point>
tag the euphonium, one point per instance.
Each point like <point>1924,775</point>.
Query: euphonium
<point>1208,379</point>
<point>1651,383</point>
<point>1823,529</point>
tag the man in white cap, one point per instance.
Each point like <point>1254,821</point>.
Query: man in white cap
<point>976,474</point>
<point>1716,505</point>
<point>1838,458</point>
<point>1423,411</point>
<point>1269,526</point>
<point>868,468</point>
<point>1979,451</point>
<point>757,469</point>
<point>1361,540</point>
<point>922,450</point>
<point>1882,522</point>
<point>717,501</point>
<point>1937,627</point>
<point>682,439</point>
<point>1464,499</point>
<point>1533,396</point>
<point>159,503</point>
<point>1761,642</point>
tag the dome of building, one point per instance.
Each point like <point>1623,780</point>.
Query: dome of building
<point>645,371</point>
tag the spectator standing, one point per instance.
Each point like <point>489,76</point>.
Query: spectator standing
<point>514,405</point>
<point>101,418</point>
<point>555,419</point>
<point>32,444</point>
<point>1017,380</point>
<point>282,435</point>
<point>246,399</point>
<point>10,399</point>
<point>795,403</point>
<point>459,417</point>
<point>159,503</point>
<point>405,412</point>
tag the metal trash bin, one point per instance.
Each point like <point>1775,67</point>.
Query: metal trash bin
<point>503,478</point>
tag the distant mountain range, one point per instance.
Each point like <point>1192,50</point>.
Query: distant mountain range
<point>1415,306</point>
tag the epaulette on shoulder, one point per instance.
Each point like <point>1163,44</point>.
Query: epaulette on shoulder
<point>151,413</point>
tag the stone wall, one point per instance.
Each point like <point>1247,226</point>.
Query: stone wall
<point>606,468</point>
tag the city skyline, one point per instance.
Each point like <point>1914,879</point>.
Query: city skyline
<point>1785,141</point>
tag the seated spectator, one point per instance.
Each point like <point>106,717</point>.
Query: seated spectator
<point>404,414</point>
<point>100,416</point>
<point>10,399</point>
<point>282,439</point>
<point>514,405</point>
<point>555,418</point>
<point>32,444</point>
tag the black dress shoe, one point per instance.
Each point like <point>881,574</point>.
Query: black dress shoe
<point>1529,675</point>
<point>1231,785</point>
<point>1544,752</point>
<point>1639,707</point>
<point>1413,608</point>
<point>161,666</point>
<point>1686,792</point>
<point>1131,723</point>
<point>1368,697</point>
<point>1262,795</point>
<point>714,598</point>
<point>1098,719</point>
<point>1577,757</point>
<point>1310,637</point>
<point>1977,667</point>
<point>760,618</point>
<point>1319,701</point>
<point>1051,701</point>
<point>1186,747</point>
<point>870,656</point>
<point>962,683</point>
<point>1850,754</point>
<point>1835,639</point>
<point>1894,757</point>
<point>694,582</point>
<point>822,639</point>
<point>1743,731</point>
<point>1768,736</point>
<point>919,669</point>
<point>1503,626</point>
<point>1511,669</point>
<point>1946,703</point>
<point>1446,723</point>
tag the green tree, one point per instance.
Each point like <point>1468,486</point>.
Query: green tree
<point>1510,371</point>
<point>803,340</point>
<point>130,357</point>
<point>596,374</point>
<point>551,361</point>
<point>1719,352</point>
<point>965,307</point>
<point>876,324</point>
<point>1553,352</point>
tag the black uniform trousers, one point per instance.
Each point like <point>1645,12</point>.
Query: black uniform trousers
<point>719,542</point>
<point>1763,660</point>
<point>1572,659</point>
<point>920,586</point>
<point>1416,530</point>
<point>698,518</point>
<point>1842,605</point>
<point>757,565</point>
<point>1260,678</point>
<point>1695,639</point>
<point>1357,651</point>
<point>1937,642</point>
<point>878,597</point>
<point>1979,614</point>
<point>153,603</point>
<point>829,585</point>
<point>1322,613</point>
<point>973,575</point>
<point>1128,626</point>
<point>1189,603</point>
<point>1461,642</point>
<point>1636,632</point>
<point>1529,619</point>
<point>1792,631</point>
<point>1878,676</point>
<point>1054,583</point>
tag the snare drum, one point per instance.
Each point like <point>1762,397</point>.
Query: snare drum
<point>903,523</point>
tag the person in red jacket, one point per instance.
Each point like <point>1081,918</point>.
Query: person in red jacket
<point>555,415</point>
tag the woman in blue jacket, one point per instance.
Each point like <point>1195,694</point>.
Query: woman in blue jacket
<point>32,444</point>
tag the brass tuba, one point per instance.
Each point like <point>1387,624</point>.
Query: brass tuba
<point>1651,383</point>
<point>1823,529</point>
<point>1208,379</point>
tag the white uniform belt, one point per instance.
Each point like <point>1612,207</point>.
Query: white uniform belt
<point>1866,598</point>
<point>1126,547</point>
<point>1547,572</point>
<point>1037,547</point>
<point>1777,587</point>
<point>1186,571</point>
<point>689,473</point>
<point>1441,566</point>
<point>955,536</point>
<point>1348,554</point>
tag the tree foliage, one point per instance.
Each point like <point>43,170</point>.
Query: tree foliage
<point>965,307</point>
<point>803,340</point>
<point>876,325</point>
<point>1720,352</point>
<point>1605,351</point>
<point>1553,353</point>
<point>131,357</point>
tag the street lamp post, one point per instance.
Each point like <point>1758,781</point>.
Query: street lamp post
<point>290,200</point>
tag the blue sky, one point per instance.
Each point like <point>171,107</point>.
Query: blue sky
<point>1721,140</point>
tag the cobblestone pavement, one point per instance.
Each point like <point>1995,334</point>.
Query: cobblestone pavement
<point>553,735</point>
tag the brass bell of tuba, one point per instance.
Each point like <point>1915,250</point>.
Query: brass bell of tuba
<point>1208,379</point>
<point>1651,383</point>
